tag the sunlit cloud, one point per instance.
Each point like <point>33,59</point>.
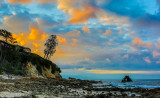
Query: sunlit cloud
<point>81,15</point>
<point>86,29</point>
<point>86,58</point>
<point>121,72</point>
<point>138,42</point>
<point>20,1</point>
<point>36,33</point>
<point>120,32</point>
<point>61,40</point>
<point>108,32</point>
<point>74,42</point>
<point>155,53</point>
<point>147,60</point>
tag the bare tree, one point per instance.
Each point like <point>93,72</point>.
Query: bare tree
<point>50,44</point>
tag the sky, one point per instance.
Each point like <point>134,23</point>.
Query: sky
<point>97,39</point>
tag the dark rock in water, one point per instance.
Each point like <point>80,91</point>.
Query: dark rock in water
<point>70,78</point>
<point>126,79</point>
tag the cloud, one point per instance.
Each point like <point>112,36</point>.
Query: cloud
<point>74,41</point>
<point>108,32</point>
<point>121,72</point>
<point>86,29</point>
<point>157,62</point>
<point>120,32</point>
<point>20,1</point>
<point>158,44</point>
<point>138,42</point>
<point>21,38</point>
<point>126,56</point>
<point>36,45</point>
<point>61,40</point>
<point>36,33</point>
<point>66,6</point>
<point>108,60</point>
<point>80,15</point>
<point>10,22</point>
<point>46,1</point>
<point>155,53</point>
<point>60,52</point>
<point>86,59</point>
<point>147,60</point>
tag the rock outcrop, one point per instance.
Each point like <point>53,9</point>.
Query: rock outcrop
<point>31,70</point>
<point>47,72</point>
<point>126,79</point>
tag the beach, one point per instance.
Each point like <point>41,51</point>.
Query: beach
<point>69,88</point>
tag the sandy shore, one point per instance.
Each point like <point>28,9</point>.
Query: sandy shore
<point>68,88</point>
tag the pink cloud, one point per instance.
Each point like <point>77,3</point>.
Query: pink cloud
<point>147,60</point>
<point>138,42</point>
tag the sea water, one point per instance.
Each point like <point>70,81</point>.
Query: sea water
<point>145,83</point>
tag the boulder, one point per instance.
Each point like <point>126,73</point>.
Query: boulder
<point>126,79</point>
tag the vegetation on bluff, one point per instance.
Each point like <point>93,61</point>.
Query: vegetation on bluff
<point>14,62</point>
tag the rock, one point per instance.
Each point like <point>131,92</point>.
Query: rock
<point>70,78</point>
<point>126,79</point>
<point>31,70</point>
<point>48,73</point>
<point>57,75</point>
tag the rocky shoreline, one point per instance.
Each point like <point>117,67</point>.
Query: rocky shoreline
<point>68,88</point>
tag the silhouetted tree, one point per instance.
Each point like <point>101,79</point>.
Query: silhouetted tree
<point>7,35</point>
<point>12,40</point>
<point>50,44</point>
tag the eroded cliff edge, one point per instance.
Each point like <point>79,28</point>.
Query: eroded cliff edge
<point>27,64</point>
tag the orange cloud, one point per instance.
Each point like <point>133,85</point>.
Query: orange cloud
<point>36,45</point>
<point>120,32</point>
<point>86,59</point>
<point>20,1</point>
<point>138,42</point>
<point>36,33</point>
<point>36,51</point>
<point>61,40</point>
<point>155,53</point>
<point>121,72</point>
<point>33,40</point>
<point>60,52</point>
<point>108,32</point>
<point>74,41</point>
<point>86,29</point>
<point>20,38</point>
<point>147,60</point>
<point>46,1</point>
<point>80,15</point>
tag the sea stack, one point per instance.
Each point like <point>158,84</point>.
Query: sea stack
<point>126,79</point>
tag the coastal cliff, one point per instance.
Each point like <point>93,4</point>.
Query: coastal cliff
<point>27,64</point>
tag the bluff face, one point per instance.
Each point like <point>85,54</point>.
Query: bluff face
<point>13,61</point>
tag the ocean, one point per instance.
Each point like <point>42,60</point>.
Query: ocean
<point>145,83</point>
